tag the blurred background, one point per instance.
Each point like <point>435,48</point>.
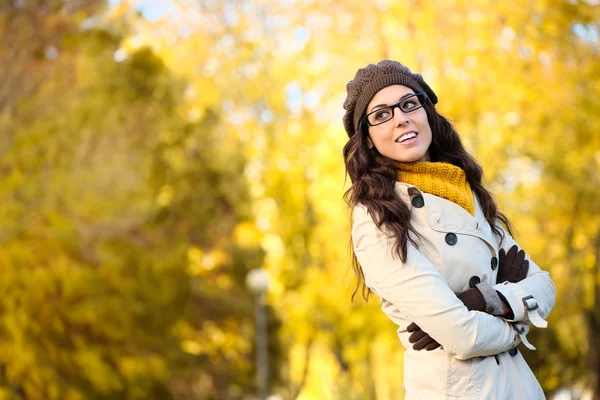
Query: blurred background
<point>152,153</point>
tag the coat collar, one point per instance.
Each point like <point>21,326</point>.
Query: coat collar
<point>446,216</point>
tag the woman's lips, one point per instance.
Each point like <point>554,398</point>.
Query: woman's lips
<point>409,141</point>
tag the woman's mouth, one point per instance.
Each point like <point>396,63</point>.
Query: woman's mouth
<point>407,138</point>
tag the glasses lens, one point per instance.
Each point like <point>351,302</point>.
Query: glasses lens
<point>380,116</point>
<point>411,103</point>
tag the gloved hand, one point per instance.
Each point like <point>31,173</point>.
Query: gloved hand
<point>512,266</point>
<point>420,339</point>
<point>471,298</point>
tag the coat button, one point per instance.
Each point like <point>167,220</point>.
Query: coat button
<point>451,239</point>
<point>418,201</point>
<point>513,352</point>
<point>474,281</point>
<point>494,263</point>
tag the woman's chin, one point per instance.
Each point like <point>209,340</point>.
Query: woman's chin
<point>408,158</point>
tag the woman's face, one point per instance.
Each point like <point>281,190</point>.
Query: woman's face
<point>407,136</point>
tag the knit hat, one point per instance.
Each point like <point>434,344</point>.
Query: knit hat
<point>370,80</point>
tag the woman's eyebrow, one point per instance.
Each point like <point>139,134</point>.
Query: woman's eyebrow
<point>385,105</point>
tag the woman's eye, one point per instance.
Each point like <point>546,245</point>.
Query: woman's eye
<point>381,115</point>
<point>409,105</point>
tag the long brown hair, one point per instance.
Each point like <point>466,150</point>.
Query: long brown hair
<point>373,185</point>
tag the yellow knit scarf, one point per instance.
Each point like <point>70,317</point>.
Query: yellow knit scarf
<point>440,179</point>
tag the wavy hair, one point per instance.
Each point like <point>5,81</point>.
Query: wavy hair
<point>373,185</point>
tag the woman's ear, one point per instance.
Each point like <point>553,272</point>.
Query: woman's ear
<point>369,143</point>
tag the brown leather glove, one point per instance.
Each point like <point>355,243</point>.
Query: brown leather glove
<point>471,298</point>
<point>512,266</point>
<point>420,339</point>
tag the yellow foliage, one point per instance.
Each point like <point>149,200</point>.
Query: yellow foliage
<point>247,235</point>
<point>142,172</point>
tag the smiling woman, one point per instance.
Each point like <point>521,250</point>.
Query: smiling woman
<point>428,241</point>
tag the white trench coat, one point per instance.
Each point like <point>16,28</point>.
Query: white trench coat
<point>455,247</point>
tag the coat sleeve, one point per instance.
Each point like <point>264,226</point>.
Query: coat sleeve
<point>532,298</point>
<point>421,294</point>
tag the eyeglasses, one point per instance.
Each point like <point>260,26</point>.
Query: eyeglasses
<point>407,105</point>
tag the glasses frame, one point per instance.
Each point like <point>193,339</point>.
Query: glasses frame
<point>422,96</point>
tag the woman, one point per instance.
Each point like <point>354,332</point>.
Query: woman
<point>428,242</point>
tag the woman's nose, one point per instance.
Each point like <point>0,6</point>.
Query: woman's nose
<point>399,116</point>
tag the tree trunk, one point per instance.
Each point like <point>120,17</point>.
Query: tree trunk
<point>594,329</point>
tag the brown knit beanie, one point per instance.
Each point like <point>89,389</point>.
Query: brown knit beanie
<point>370,80</point>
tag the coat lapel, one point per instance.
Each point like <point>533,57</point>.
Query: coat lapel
<point>446,216</point>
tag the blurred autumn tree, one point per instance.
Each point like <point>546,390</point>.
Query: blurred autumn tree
<point>148,165</point>
<point>120,275</point>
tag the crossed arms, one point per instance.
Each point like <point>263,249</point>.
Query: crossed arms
<point>421,295</point>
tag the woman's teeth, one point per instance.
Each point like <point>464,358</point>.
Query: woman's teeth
<point>406,137</point>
